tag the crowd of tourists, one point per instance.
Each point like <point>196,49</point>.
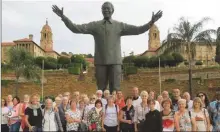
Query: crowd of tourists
<point>102,111</point>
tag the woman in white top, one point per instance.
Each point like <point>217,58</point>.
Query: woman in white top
<point>51,120</point>
<point>200,115</point>
<point>5,110</point>
<point>110,116</point>
<point>140,111</point>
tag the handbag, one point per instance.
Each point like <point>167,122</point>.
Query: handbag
<point>82,126</point>
<point>93,126</point>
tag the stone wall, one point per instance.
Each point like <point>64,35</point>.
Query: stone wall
<point>60,82</point>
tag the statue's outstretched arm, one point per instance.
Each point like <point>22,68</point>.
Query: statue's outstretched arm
<point>75,28</point>
<point>135,30</point>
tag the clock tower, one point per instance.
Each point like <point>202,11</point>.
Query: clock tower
<point>154,38</point>
<point>46,41</point>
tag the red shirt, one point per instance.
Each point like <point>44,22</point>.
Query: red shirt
<point>120,103</point>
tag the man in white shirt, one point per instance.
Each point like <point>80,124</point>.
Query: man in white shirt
<point>152,96</point>
<point>136,98</point>
<point>189,102</point>
<point>99,96</point>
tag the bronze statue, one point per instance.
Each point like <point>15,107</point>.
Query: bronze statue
<point>107,35</point>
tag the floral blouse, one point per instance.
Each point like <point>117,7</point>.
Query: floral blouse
<point>185,122</point>
<point>73,126</point>
<point>95,119</point>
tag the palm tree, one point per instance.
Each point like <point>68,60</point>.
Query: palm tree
<point>217,58</point>
<point>189,35</point>
<point>23,64</point>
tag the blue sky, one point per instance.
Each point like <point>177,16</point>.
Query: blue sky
<point>21,18</point>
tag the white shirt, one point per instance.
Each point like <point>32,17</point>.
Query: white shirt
<point>5,111</point>
<point>111,116</point>
<point>190,105</point>
<point>140,113</point>
<point>104,102</point>
<point>157,105</point>
<point>49,121</point>
<point>137,101</point>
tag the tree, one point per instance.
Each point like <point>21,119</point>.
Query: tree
<point>170,60</point>
<point>217,58</point>
<point>89,56</point>
<point>24,65</point>
<point>50,63</point>
<point>153,62</point>
<point>129,59</point>
<point>178,58</point>
<point>79,59</point>
<point>141,61</point>
<point>39,60</point>
<point>64,53</point>
<point>188,35</point>
<point>63,61</point>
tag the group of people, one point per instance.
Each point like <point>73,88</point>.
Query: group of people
<point>142,112</point>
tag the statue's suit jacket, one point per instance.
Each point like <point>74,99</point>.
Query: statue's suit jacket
<point>107,35</point>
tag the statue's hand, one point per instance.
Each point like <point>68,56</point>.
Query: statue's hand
<point>57,10</point>
<point>157,16</point>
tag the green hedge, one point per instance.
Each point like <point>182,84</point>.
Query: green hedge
<point>130,70</point>
<point>74,70</point>
<point>199,63</point>
<point>170,80</point>
<point>186,63</point>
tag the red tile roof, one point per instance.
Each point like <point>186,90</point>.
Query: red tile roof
<point>8,44</point>
<point>153,49</point>
<point>23,40</point>
<point>53,52</point>
<point>91,60</point>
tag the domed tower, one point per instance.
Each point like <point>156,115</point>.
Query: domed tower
<point>154,38</point>
<point>46,41</point>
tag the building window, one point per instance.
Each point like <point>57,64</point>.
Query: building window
<point>45,35</point>
<point>155,35</point>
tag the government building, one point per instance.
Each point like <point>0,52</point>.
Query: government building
<point>155,48</point>
<point>45,48</point>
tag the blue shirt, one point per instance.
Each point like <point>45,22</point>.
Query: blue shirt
<point>214,109</point>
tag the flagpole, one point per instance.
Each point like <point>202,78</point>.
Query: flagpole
<point>159,76</point>
<point>42,83</point>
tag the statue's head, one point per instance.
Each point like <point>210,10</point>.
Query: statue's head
<point>107,10</point>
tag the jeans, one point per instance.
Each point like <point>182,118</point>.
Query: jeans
<point>37,129</point>
<point>15,127</point>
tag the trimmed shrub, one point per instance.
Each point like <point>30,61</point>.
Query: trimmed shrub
<point>74,70</point>
<point>129,59</point>
<point>186,63</point>
<point>199,63</point>
<point>170,80</point>
<point>130,70</point>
